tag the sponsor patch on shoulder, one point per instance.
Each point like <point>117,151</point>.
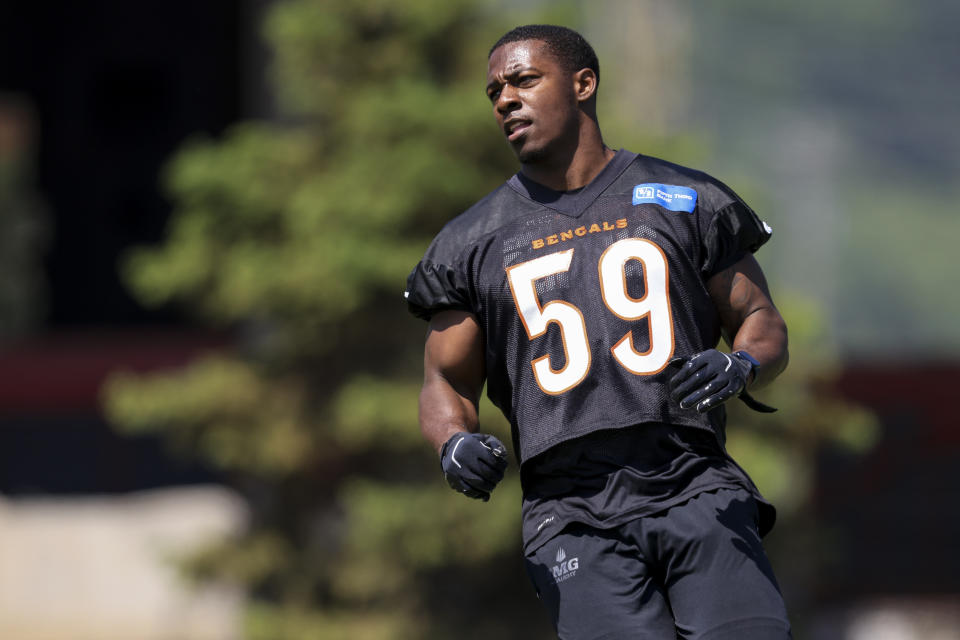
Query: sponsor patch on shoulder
<point>668,196</point>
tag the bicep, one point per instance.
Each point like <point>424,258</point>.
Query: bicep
<point>738,292</point>
<point>453,353</point>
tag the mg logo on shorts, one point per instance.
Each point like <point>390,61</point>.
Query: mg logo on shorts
<point>564,568</point>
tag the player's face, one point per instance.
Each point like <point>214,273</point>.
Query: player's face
<point>534,99</point>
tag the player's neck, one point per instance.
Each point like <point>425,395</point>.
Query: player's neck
<point>574,167</point>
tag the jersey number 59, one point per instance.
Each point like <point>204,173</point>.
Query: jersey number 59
<point>654,306</point>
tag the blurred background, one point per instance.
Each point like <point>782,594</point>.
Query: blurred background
<point>208,378</point>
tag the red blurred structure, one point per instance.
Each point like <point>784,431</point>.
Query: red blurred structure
<point>61,373</point>
<point>53,438</point>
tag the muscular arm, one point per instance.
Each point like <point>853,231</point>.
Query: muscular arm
<point>453,374</point>
<point>749,319</point>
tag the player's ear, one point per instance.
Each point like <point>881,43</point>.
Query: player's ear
<point>584,84</point>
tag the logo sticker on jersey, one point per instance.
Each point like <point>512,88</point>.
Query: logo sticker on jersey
<point>564,569</point>
<point>668,196</point>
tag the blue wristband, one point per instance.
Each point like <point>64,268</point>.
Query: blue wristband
<point>746,357</point>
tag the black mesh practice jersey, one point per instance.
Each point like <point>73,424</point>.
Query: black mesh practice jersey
<point>584,297</point>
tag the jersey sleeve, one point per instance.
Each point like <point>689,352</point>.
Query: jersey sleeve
<point>433,287</point>
<point>438,282</point>
<point>729,230</point>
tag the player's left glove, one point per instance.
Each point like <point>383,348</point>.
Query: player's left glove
<point>709,379</point>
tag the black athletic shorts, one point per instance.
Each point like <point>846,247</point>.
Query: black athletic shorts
<point>696,570</point>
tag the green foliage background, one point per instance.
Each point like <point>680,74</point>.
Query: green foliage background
<point>296,235</point>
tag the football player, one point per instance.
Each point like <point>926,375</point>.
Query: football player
<point>590,292</point>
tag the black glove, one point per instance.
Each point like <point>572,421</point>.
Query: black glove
<point>709,379</point>
<point>473,463</point>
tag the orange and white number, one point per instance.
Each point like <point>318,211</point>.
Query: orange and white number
<point>654,306</point>
<point>573,329</point>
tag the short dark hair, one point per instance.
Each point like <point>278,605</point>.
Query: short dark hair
<point>568,46</point>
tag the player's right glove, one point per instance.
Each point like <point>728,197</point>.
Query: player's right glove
<point>709,379</point>
<point>473,463</point>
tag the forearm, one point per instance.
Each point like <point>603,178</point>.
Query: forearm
<point>749,319</point>
<point>763,334</point>
<point>444,411</point>
<point>453,374</point>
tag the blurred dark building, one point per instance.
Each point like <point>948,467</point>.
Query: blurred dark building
<point>115,87</point>
<point>891,516</point>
